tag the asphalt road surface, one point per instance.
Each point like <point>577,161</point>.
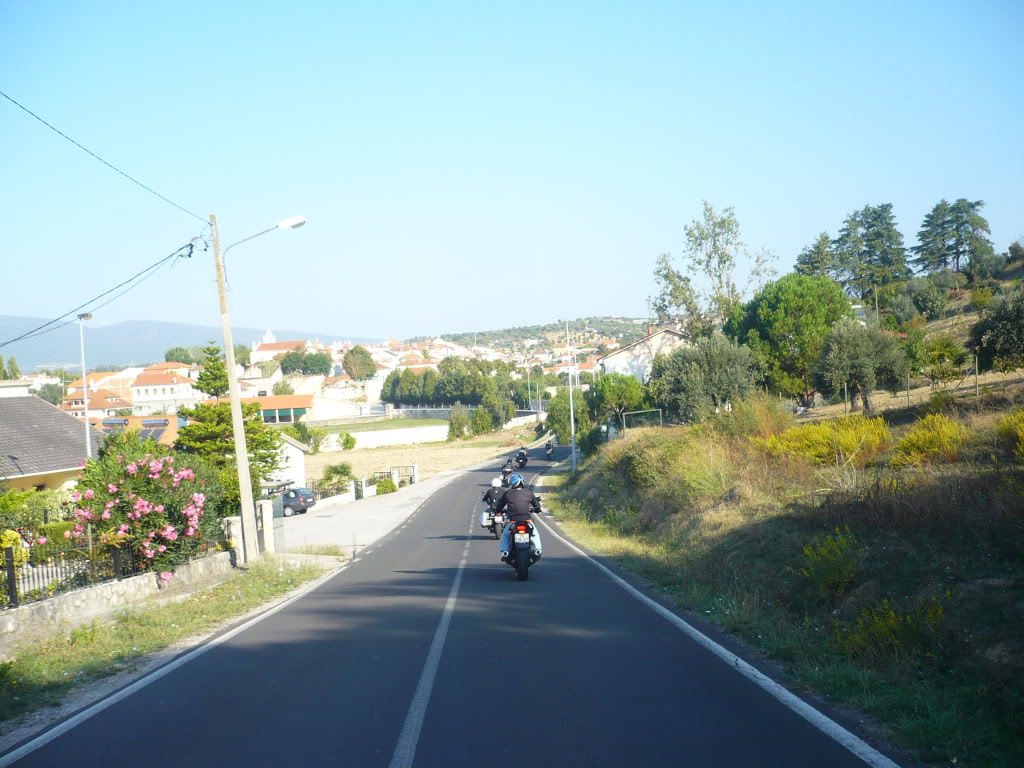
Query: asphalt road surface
<point>427,651</point>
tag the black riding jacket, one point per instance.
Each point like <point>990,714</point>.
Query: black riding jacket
<point>519,502</point>
<point>492,495</point>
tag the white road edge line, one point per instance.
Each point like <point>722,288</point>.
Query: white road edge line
<point>822,722</point>
<point>61,728</point>
<point>405,749</point>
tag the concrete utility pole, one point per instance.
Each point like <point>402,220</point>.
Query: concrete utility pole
<point>249,549</point>
<point>85,382</point>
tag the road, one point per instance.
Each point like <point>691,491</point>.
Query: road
<point>565,669</point>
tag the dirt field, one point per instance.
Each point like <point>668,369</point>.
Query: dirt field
<point>431,457</point>
<point>883,401</point>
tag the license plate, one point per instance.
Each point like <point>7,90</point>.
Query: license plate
<point>522,538</point>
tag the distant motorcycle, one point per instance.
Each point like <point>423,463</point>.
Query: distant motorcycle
<point>506,473</point>
<point>521,459</point>
<point>549,453</point>
<point>498,520</point>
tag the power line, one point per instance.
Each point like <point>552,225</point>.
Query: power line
<point>112,167</point>
<point>135,279</point>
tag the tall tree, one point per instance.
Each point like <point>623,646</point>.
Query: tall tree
<point>291,362</point>
<point>209,434</point>
<point>243,354</point>
<point>453,380</point>
<point>358,363</point>
<point>318,364</point>
<point>818,258</point>
<point>691,381</point>
<point>713,243</point>
<point>934,249</point>
<point>558,415</point>
<point>3,369</point>
<point>428,386</point>
<point>785,325</point>
<point>391,389</point>
<point>999,335</point>
<point>409,388</point>
<point>617,393</point>
<point>970,231</point>
<point>213,380</point>
<point>52,393</point>
<point>13,371</point>
<point>860,358</point>
<point>870,250</point>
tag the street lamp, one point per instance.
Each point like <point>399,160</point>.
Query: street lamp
<point>85,381</point>
<point>572,413</point>
<point>249,548</point>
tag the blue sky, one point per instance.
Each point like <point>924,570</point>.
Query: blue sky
<point>473,165</point>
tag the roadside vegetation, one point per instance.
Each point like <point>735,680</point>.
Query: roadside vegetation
<point>879,558</point>
<point>41,674</point>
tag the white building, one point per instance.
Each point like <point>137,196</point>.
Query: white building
<point>163,392</point>
<point>637,358</point>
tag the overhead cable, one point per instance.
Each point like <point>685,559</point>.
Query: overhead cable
<point>109,165</point>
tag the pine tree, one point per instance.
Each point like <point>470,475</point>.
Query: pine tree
<point>13,371</point>
<point>969,233</point>
<point>870,250</point>
<point>214,378</point>
<point>934,249</point>
<point>818,258</point>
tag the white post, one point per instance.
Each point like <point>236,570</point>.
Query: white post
<point>572,413</point>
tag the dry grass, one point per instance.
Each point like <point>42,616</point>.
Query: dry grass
<point>432,458</point>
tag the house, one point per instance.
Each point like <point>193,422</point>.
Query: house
<point>93,380</point>
<point>293,463</point>
<point>268,348</point>
<point>163,429</point>
<point>102,402</point>
<point>277,409</point>
<point>156,392</point>
<point>637,358</point>
<point>42,446</point>
<point>39,380</point>
<point>15,388</point>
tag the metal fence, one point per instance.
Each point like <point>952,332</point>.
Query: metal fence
<point>45,570</point>
<point>322,490</point>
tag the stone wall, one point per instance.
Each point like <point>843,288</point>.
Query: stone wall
<point>32,621</point>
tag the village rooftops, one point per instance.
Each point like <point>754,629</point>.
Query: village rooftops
<point>281,346</point>
<point>160,379</point>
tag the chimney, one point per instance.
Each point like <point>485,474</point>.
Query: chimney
<point>650,329</point>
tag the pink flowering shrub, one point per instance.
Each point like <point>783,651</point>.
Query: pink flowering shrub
<point>139,495</point>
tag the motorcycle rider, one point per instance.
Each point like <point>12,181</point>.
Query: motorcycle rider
<point>549,448</point>
<point>522,457</point>
<point>507,470</point>
<point>491,497</point>
<point>518,502</point>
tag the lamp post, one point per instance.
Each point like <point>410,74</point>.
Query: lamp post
<point>572,412</point>
<point>85,381</point>
<point>249,548</point>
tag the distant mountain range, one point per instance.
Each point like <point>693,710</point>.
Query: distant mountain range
<point>124,344</point>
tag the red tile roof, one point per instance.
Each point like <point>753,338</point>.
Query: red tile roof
<point>281,345</point>
<point>160,379</point>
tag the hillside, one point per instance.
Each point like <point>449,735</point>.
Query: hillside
<point>585,329</point>
<point>125,343</point>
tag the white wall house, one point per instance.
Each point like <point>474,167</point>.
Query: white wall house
<point>293,463</point>
<point>102,403</point>
<point>163,392</point>
<point>637,358</point>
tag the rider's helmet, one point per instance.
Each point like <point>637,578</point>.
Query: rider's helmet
<point>515,481</point>
<point>496,482</point>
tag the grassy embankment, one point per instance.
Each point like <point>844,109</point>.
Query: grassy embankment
<point>376,426</point>
<point>42,674</point>
<point>880,560</point>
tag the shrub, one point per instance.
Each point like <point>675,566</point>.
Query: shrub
<point>458,422</point>
<point>831,562</point>
<point>1011,430</point>
<point>885,631</point>
<point>13,540</point>
<point>982,298</point>
<point>346,441</point>
<point>591,441</point>
<point>482,421</point>
<point>929,300</point>
<point>853,439</point>
<point>903,308</point>
<point>940,402</point>
<point>337,475</point>
<point>934,438</point>
<point>759,415</point>
<point>386,485</point>
<point>146,499</point>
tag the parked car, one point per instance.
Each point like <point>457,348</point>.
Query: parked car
<point>293,501</point>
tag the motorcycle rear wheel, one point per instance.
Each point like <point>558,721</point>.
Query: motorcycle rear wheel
<point>522,564</point>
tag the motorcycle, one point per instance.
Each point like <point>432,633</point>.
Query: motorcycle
<point>521,553</point>
<point>550,452</point>
<point>521,461</point>
<point>506,473</point>
<point>498,520</point>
